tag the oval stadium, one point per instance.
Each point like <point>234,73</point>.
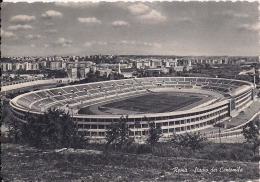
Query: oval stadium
<point>178,104</point>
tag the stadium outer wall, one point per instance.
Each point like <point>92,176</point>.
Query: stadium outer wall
<point>95,126</point>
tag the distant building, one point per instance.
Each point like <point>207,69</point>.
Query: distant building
<point>83,72</point>
<point>165,70</point>
<point>154,72</point>
<point>184,62</point>
<point>127,74</point>
<point>34,66</point>
<point>89,63</point>
<point>155,64</point>
<point>6,66</point>
<point>182,68</point>
<point>104,72</point>
<point>141,64</point>
<point>82,65</point>
<point>93,69</point>
<point>57,65</point>
<point>171,63</point>
<point>70,65</point>
<point>72,72</point>
<point>50,58</point>
<point>43,64</point>
<point>27,66</point>
<point>19,66</point>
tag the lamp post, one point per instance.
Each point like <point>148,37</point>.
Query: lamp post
<point>70,109</point>
<point>219,130</point>
<point>41,104</point>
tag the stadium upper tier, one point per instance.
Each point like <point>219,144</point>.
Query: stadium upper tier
<point>29,83</point>
<point>230,95</point>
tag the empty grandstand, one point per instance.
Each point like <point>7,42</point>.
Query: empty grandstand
<point>226,96</point>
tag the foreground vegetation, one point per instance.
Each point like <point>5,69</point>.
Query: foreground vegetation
<point>50,148</point>
<point>23,163</point>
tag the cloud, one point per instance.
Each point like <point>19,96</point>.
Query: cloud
<point>76,4</point>
<point>153,17</point>
<point>240,15</point>
<point>137,43</point>
<point>250,27</point>
<point>47,45</point>
<point>20,27</point>
<point>22,19</point>
<point>185,20</point>
<point>32,45</point>
<point>33,37</point>
<point>52,31</point>
<point>62,42</point>
<point>138,8</point>
<point>51,14</point>
<point>90,20</point>
<point>117,24</point>
<point>89,44</point>
<point>8,34</point>
<point>48,24</point>
<point>146,14</point>
<point>232,14</point>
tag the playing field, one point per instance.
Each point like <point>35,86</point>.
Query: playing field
<point>154,103</point>
<point>150,103</point>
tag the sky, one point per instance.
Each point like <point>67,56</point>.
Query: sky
<point>130,28</point>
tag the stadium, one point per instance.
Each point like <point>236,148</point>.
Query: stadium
<point>178,104</point>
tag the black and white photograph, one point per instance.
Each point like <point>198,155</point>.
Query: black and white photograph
<point>98,91</point>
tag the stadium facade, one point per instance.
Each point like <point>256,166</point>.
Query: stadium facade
<point>231,95</point>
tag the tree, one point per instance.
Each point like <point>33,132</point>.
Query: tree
<point>53,129</point>
<point>207,65</point>
<point>251,134</point>
<point>14,129</point>
<point>118,132</point>
<point>193,141</point>
<point>10,121</point>
<point>154,133</point>
<point>92,77</point>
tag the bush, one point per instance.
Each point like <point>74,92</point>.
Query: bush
<point>5,139</point>
<point>226,152</point>
<point>144,149</point>
<point>169,150</point>
<point>256,158</point>
<point>193,141</point>
<point>211,151</point>
<point>134,148</point>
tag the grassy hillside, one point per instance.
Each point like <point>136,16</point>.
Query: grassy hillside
<point>23,163</point>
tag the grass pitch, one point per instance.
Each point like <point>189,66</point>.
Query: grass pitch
<point>155,102</point>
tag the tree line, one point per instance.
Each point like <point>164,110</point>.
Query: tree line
<point>56,129</point>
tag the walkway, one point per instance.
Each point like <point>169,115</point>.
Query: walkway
<point>249,112</point>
